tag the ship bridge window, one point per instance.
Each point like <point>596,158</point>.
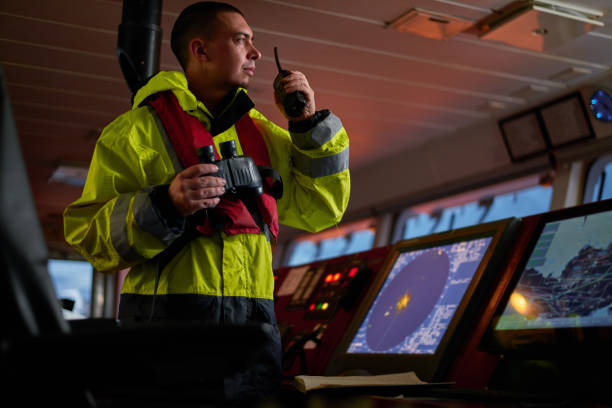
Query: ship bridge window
<point>72,280</point>
<point>598,185</point>
<point>495,203</point>
<point>343,240</point>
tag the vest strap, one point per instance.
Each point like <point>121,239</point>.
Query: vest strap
<point>187,133</point>
<point>276,189</point>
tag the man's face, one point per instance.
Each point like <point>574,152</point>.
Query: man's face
<point>231,54</point>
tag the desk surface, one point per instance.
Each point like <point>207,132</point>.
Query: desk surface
<point>440,397</point>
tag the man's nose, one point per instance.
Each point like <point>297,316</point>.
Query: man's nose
<point>255,54</point>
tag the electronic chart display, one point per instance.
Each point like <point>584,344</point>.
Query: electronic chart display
<point>419,298</point>
<point>567,280</point>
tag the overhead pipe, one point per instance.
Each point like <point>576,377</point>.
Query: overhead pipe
<point>139,41</point>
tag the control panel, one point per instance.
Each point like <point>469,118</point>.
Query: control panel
<point>315,304</point>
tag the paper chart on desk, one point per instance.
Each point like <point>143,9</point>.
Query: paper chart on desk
<point>307,382</point>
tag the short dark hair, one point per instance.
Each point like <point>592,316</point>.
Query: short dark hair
<point>197,19</point>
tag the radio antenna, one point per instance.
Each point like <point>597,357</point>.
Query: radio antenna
<point>277,62</point>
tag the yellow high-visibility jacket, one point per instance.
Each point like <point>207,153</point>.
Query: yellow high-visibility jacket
<point>116,223</point>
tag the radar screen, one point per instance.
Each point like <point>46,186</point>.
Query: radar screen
<point>419,298</point>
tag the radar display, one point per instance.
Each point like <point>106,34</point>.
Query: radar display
<point>567,281</point>
<point>418,299</point>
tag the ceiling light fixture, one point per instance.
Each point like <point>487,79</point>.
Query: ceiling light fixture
<point>429,24</point>
<point>571,74</point>
<point>531,91</point>
<point>573,11</point>
<point>539,25</point>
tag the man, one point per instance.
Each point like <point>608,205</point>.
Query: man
<point>146,191</point>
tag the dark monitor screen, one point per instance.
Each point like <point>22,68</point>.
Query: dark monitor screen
<point>423,297</point>
<point>561,291</point>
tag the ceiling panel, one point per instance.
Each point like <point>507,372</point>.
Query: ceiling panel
<point>394,91</point>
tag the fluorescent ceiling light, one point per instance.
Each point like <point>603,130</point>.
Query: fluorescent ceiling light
<point>571,73</point>
<point>577,12</point>
<point>531,91</point>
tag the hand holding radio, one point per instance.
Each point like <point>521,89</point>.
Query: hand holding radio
<point>292,93</point>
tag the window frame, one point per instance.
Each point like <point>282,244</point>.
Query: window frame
<point>593,173</point>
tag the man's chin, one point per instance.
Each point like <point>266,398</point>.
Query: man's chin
<point>241,83</point>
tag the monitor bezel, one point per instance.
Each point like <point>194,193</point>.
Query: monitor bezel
<point>429,367</point>
<point>544,342</point>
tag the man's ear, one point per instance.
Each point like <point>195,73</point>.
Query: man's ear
<point>197,49</point>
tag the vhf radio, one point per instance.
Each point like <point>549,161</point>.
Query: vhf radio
<point>295,101</point>
<point>240,172</point>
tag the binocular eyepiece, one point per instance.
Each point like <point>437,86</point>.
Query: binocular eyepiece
<point>206,154</point>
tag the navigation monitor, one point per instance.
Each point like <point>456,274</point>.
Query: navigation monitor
<point>422,299</point>
<point>561,291</point>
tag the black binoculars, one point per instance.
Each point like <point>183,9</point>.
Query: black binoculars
<point>240,172</point>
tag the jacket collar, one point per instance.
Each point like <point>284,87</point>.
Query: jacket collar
<point>236,105</point>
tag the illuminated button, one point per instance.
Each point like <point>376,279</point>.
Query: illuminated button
<point>329,278</point>
<point>324,306</point>
<point>320,306</point>
<point>312,307</point>
<point>353,272</point>
<point>337,276</point>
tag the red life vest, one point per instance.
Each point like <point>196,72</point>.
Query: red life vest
<point>187,133</point>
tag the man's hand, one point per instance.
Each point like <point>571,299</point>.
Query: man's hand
<point>190,191</point>
<point>296,81</point>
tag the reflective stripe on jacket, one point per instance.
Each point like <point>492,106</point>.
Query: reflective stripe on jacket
<point>115,223</point>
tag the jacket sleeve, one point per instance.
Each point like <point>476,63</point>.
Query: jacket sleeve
<point>122,217</point>
<point>312,159</point>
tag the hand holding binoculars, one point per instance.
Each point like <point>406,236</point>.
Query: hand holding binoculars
<point>240,172</point>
